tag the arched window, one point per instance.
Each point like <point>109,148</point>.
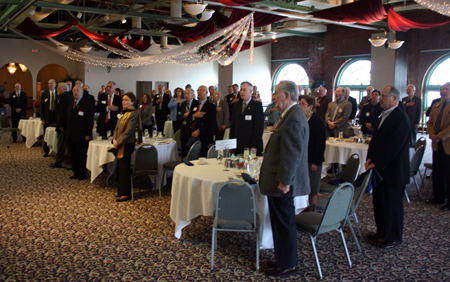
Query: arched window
<point>355,74</point>
<point>438,74</point>
<point>293,72</point>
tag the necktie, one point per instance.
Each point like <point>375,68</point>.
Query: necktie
<point>52,97</point>
<point>74,104</point>
<point>108,113</point>
<point>18,97</point>
<point>195,121</point>
<point>437,126</point>
<point>244,105</point>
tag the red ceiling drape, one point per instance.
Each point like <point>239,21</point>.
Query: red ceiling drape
<point>136,44</point>
<point>362,12</point>
<point>29,27</point>
<point>399,23</point>
<point>238,2</point>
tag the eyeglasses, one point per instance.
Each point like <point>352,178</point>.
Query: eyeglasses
<point>385,96</point>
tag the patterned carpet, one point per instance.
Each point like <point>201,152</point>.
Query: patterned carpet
<point>56,229</point>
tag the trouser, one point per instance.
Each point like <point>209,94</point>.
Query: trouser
<point>15,124</point>
<point>388,211</point>
<point>45,147</point>
<point>413,136</point>
<point>282,218</point>
<point>124,188</point>
<point>441,174</point>
<point>78,155</point>
<point>62,147</point>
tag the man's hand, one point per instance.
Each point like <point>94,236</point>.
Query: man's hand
<point>186,114</point>
<point>314,167</point>
<point>409,104</point>
<point>284,188</point>
<point>18,111</point>
<point>61,129</point>
<point>196,133</point>
<point>331,125</point>
<point>219,109</point>
<point>115,143</point>
<point>43,122</point>
<point>434,138</point>
<point>368,126</point>
<point>223,127</point>
<point>416,125</point>
<point>274,109</point>
<point>368,164</point>
<point>87,138</point>
<point>112,108</point>
<point>235,100</point>
<point>199,114</point>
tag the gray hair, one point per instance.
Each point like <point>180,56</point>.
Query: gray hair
<point>218,93</point>
<point>414,88</point>
<point>290,87</point>
<point>112,82</point>
<point>249,84</point>
<point>394,92</point>
<point>63,86</point>
<point>324,89</point>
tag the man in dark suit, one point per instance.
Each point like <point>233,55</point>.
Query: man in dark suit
<point>47,109</point>
<point>203,122</point>
<point>62,105</point>
<point>366,99</point>
<point>108,106</point>
<point>80,120</point>
<point>322,102</point>
<point>18,104</point>
<point>413,106</point>
<point>438,127</point>
<point>186,108</point>
<point>284,175</point>
<point>90,97</point>
<point>370,112</point>
<point>222,114</point>
<point>247,122</point>
<point>161,103</point>
<point>232,98</point>
<point>389,154</point>
<point>353,102</point>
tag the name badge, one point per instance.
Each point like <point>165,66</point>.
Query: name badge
<point>367,114</point>
<point>45,101</point>
<point>14,96</point>
<point>140,106</point>
<point>104,102</point>
<point>340,110</point>
<point>195,109</point>
<point>248,117</point>
<point>119,116</point>
<point>80,113</point>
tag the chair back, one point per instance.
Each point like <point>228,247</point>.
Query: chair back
<point>351,169</point>
<point>336,211</point>
<point>4,122</point>
<point>194,152</point>
<point>359,192</point>
<point>421,141</point>
<point>146,160</point>
<point>235,202</point>
<point>416,160</point>
<point>212,153</point>
<point>177,138</point>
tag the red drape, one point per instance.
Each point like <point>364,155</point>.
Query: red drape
<point>29,27</point>
<point>259,19</point>
<point>238,2</point>
<point>399,23</point>
<point>136,44</point>
<point>362,12</point>
<point>99,37</point>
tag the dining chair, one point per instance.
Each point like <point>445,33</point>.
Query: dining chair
<point>358,193</point>
<point>333,217</point>
<point>212,153</point>
<point>145,163</point>
<point>7,129</point>
<point>235,212</point>
<point>349,174</point>
<point>421,141</point>
<point>414,166</point>
<point>177,138</point>
<point>192,155</point>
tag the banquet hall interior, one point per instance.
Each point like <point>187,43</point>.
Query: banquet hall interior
<point>58,230</point>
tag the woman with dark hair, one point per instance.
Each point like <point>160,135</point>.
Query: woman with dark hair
<point>174,106</point>
<point>146,112</point>
<point>124,141</point>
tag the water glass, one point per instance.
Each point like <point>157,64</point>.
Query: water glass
<point>155,133</point>
<point>253,153</point>
<point>220,156</point>
<point>246,153</point>
<point>341,135</point>
<point>160,134</point>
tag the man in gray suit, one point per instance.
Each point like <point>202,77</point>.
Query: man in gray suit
<point>413,105</point>
<point>338,114</point>
<point>222,114</point>
<point>284,175</point>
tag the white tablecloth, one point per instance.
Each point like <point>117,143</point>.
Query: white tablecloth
<point>194,190</point>
<point>339,152</point>
<point>31,129</point>
<point>98,155</point>
<point>168,129</point>
<point>266,136</point>
<point>51,137</point>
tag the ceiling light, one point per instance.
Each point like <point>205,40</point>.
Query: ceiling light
<point>12,68</point>
<point>23,67</point>
<point>106,18</point>
<point>85,49</point>
<point>32,10</point>
<point>194,8</point>
<point>206,15</point>
<point>79,15</point>
<point>124,20</point>
<point>62,48</point>
<point>395,44</point>
<point>274,36</point>
<point>379,41</point>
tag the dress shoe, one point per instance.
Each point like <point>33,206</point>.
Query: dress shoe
<point>45,155</point>
<point>446,207</point>
<point>434,202</point>
<point>56,165</point>
<point>278,272</point>
<point>123,199</point>
<point>117,195</point>
<point>390,245</point>
<point>271,264</point>
<point>375,238</point>
<point>73,177</point>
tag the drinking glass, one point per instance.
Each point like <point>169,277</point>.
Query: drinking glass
<point>246,153</point>
<point>341,135</point>
<point>220,156</point>
<point>253,153</point>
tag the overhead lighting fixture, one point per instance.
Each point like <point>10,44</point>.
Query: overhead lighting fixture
<point>85,49</point>
<point>379,41</point>
<point>106,18</point>
<point>395,44</point>
<point>32,10</point>
<point>124,20</point>
<point>79,15</point>
<point>12,68</point>
<point>62,48</point>
<point>23,67</point>
<point>206,15</point>
<point>274,36</point>
<point>194,8</point>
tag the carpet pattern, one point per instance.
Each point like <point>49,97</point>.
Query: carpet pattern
<point>56,229</point>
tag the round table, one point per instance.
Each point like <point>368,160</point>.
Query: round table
<point>31,129</point>
<point>51,138</point>
<point>194,193</point>
<point>168,129</point>
<point>339,152</point>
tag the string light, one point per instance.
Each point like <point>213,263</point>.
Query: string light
<point>439,6</point>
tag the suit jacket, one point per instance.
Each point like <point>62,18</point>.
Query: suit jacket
<point>62,106</point>
<point>364,101</point>
<point>223,115</point>
<point>354,107</point>
<point>286,156</point>
<point>389,148</point>
<point>80,120</point>
<point>146,114</point>
<point>229,98</point>
<point>321,109</point>
<point>414,112</point>
<point>102,110</point>
<point>18,103</point>
<point>431,107</point>
<point>342,116</point>
<point>206,124</point>
<point>248,126</point>
<point>46,115</point>
<point>184,109</point>
<point>369,114</point>
<point>164,109</point>
<point>444,133</point>
<point>317,140</point>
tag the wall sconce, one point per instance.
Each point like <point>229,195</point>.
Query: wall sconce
<point>11,68</point>
<point>379,41</point>
<point>23,67</point>
<point>395,44</point>
<point>62,48</point>
<point>206,15</point>
<point>194,8</point>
